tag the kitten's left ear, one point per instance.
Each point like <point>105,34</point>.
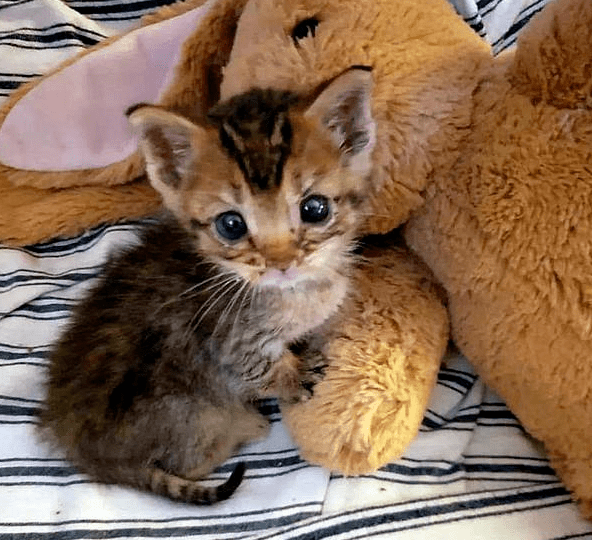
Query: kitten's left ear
<point>344,108</point>
<point>167,143</point>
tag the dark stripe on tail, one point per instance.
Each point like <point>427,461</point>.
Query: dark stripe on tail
<point>225,490</point>
<point>190,491</point>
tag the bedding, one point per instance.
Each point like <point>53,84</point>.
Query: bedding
<point>472,472</point>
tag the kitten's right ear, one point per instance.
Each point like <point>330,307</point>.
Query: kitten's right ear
<point>344,107</point>
<point>167,143</point>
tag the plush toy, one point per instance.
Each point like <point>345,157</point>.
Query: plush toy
<point>484,162</point>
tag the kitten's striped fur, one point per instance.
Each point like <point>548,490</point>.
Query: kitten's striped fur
<point>154,383</point>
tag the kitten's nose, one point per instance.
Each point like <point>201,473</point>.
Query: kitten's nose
<point>280,256</point>
<point>281,263</point>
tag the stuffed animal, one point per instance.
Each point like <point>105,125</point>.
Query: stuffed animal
<point>483,161</point>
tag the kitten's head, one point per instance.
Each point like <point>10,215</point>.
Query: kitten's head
<point>274,187</point>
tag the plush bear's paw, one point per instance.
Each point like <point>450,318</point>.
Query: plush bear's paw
<point>383,358</point>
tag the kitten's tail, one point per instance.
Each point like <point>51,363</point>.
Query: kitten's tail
<point>182,489</point>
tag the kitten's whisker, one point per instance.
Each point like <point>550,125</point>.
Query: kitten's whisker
<point>213,286</point>
<point>242,305</point>
<point>195,287</point>
<point>243,293</point>
<point>254,293</point>
<point>227,278</point>
<point>228,308</point>
<point>220,292</point>
<point>217,288</point>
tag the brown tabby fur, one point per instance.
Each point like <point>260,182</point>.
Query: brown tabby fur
<point>154,383</point>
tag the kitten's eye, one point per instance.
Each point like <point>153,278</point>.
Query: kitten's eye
<point>231,226</point>
<point>314,209</point>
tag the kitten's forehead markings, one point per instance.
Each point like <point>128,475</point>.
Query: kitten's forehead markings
<point>277,137</point>
<point>256,132</point>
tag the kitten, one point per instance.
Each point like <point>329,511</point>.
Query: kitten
<point>154,383</point>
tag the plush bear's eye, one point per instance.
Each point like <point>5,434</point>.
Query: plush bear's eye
<point>304,29</point>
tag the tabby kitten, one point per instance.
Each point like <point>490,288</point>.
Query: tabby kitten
<point>154,383</point>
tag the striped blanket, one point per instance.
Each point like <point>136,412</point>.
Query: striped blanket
<point>471,473</point>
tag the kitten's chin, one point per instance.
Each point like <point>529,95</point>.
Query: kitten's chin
<point>313,308</point>
<point>298,302</point>
<point>282,279</point>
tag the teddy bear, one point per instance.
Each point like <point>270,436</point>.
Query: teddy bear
<point>480,166</point>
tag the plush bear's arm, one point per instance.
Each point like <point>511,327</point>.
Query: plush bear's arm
<point>383,360</point>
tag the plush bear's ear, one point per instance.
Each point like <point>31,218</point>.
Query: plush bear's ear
<point>344,108</point>
<point>168,145</point>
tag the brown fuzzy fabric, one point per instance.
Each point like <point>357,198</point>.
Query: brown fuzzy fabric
<point>506,229</point>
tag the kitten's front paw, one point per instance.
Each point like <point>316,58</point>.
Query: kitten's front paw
<point>311,374</point>
<point>283,380</point>
<point>312,364</point>
<point>292,379</point>
<point>293,383</point>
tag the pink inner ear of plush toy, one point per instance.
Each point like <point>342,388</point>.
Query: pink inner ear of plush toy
<point>75,119</point>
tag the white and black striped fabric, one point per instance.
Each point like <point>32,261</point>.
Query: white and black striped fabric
<point>472,473</point>
<point>498,21</point>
